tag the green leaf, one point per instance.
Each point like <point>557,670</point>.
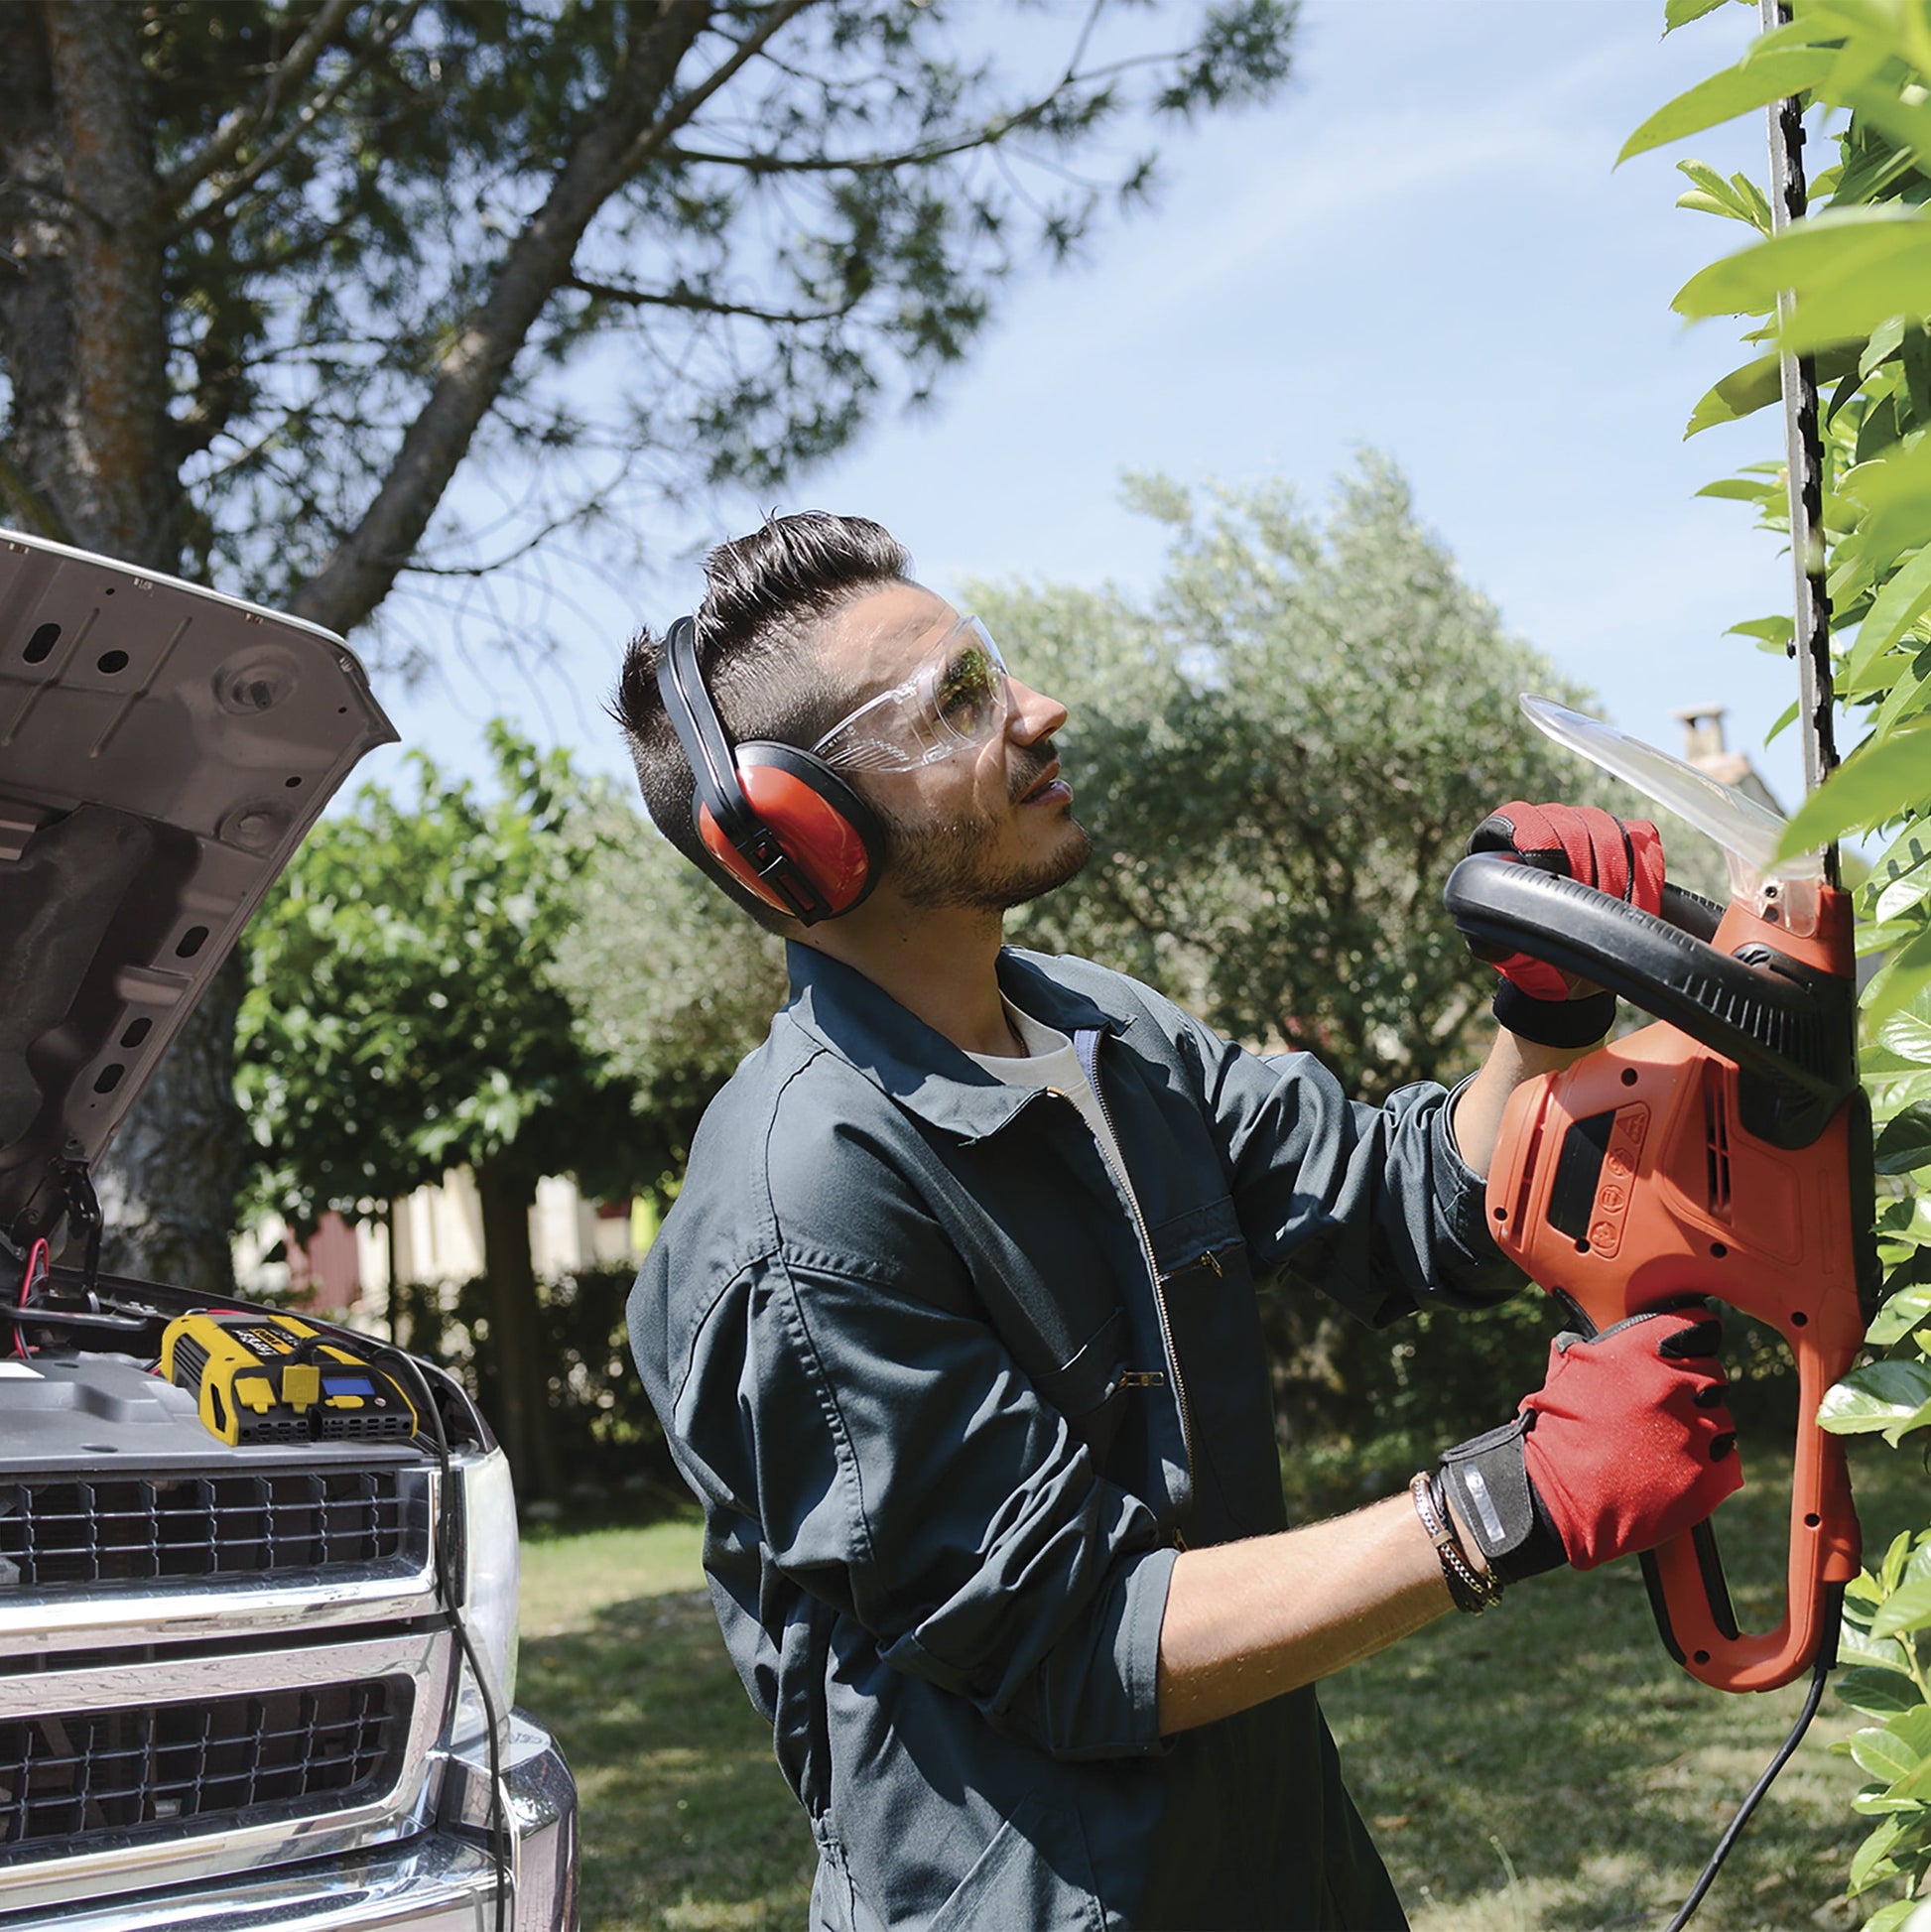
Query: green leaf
<point>1772,630</point>
<point>1679,13</point>
<point>1883,1753</point>
<point>1905,1143</point>
<point>1891,1572</point>
<point>1757,385</point>
<point>1886,1397</point>
<point>1895,490</point>
<point>1901,981</point>
<point>1738,199</point>
<point>1916,363</point>
<point>1860,1647</point>
<point>1733,92</point>
<point>1739,489</point>
<point>1907,852</point>
<point>1907,1608</point>
<point>1891,1917</point>
<point>1901,1313</point>
<point>1884,342</point>
<point>1856,266</point>
<point>1876,782</point>
<point>1877,1693</point>
<point>1871,1863</point>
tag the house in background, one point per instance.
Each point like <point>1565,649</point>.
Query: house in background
<point>433,1237</point>
<point>1703,748</point>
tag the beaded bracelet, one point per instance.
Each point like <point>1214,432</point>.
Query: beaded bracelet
<point>1473,1590</point>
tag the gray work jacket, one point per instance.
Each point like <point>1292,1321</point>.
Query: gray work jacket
<point>950,1403</point>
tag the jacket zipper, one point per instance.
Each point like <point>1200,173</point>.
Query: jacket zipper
<point>1090,1064</point>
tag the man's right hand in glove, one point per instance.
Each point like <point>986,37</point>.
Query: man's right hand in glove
<point>1626,1444</point>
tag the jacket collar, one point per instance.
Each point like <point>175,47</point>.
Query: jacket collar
<point>915,1064</point>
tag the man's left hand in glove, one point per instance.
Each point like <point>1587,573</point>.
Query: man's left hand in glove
<point>1620,857</point>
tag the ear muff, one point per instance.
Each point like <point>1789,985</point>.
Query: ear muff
<point>831,839</point>
<point>780,821</point>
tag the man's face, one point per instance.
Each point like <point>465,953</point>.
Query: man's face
<point>984,827</point>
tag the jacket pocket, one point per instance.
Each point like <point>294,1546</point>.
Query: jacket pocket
<point>1094,1372</point>
<point>1035,1874</point>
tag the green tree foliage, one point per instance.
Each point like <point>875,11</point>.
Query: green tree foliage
<point>1858,271</point>
<point>1281,755</point>
<point>674,984</point>
<point>403,1017</point>
<point>282,273</point>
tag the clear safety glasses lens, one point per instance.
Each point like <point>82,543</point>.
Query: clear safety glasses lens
<point>959,696</point>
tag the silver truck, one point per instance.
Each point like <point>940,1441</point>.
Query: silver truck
<point>259,1682</point>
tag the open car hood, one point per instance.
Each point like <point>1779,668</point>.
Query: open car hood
<point>163,751</point>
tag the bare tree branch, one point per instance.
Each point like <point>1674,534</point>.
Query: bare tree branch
<point>237,125</point>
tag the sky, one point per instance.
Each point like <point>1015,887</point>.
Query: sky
<point>1422,247</point>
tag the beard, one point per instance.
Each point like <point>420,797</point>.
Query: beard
<point>950,863</point>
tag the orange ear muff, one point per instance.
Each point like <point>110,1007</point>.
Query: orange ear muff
<point>821,826</point>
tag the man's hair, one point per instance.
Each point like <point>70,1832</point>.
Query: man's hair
<point>763,595</point>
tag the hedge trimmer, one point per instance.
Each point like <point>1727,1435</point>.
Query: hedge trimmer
<point>1724,1150</point>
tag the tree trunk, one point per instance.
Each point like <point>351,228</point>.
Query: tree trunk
<point>516,1338</point>
<point>82,307</point>
<point>86,341</point>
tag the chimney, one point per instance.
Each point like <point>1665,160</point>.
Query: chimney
<point>1703,732</point>
<point>1704,748</point>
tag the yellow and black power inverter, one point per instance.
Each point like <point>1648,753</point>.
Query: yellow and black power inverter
<point>272,1378</point>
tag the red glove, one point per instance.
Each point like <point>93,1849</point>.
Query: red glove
<point>1626,1445</point>
<point>1630,1443</point>
<point>1624,856</point>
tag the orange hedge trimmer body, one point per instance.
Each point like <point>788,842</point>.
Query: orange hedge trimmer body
<point>1716,1152</point>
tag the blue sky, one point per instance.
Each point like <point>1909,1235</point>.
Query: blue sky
<point>1423,247</point>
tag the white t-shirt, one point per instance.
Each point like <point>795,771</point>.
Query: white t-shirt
<point>1052,1061</point>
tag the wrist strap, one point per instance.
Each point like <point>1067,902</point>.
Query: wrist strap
<point>1471,1590</point>
<point>1490,1481</point>
<point>1553,1022</point>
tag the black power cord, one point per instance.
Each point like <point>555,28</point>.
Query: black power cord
<point>1820,1673</point>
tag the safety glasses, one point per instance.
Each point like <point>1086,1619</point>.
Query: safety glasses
<point>959,696</point>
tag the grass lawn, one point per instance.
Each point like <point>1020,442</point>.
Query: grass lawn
<point>1543,1766</point>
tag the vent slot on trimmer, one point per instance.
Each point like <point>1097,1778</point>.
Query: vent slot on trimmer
<point>1716,1136</point>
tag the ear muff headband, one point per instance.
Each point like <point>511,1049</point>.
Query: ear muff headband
<point>779,820</point>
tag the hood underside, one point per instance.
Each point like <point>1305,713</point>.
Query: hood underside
<point>163,751</point>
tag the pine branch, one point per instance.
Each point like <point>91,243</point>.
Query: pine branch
<point>33,508</point>
<point>998,129</point>
<point>222,208</point>
<point>649,143</point>
<point>682,297</point>
<point>623,130</point>
<point>241,123</point>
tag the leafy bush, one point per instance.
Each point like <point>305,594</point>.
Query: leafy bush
<point>605,1431</point>
<point>1851,285</point>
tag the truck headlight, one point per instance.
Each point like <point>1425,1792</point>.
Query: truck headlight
<point>491,1571</point>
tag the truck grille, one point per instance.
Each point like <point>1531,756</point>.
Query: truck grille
<point>140,1529</point>
<point>69,1778</point>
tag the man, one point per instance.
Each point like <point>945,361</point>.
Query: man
<point>953,1327</point>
